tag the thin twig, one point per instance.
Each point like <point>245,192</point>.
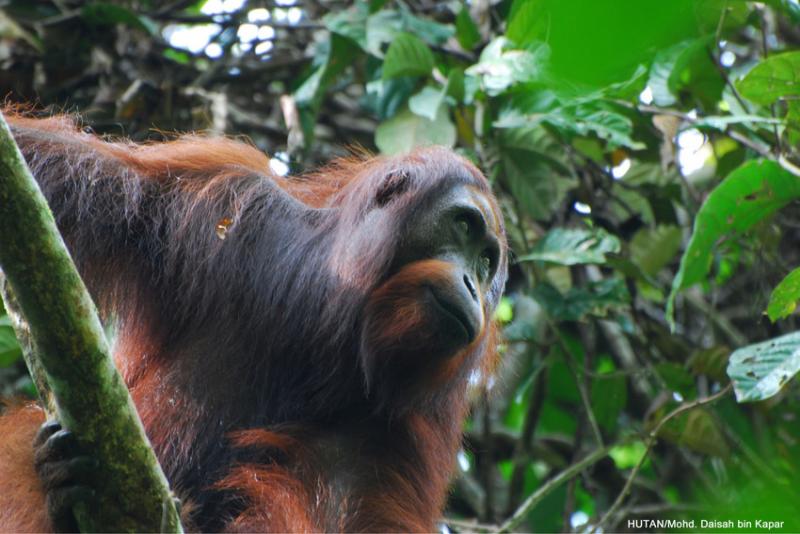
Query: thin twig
<point>761,149</point>
<point>765,47</point>
<point>545,489</point>
<point>522,446</point>
<point>716,59</point>
<point>469,525</point>
<point>651,440</point>
<point>587,404</point>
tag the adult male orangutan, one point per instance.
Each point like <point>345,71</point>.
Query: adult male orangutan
<point>298,349</point>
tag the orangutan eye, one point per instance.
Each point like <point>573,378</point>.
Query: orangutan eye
<point>463,226</point>
<point>487,263</point>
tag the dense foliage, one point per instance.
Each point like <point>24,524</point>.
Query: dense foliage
<point>646,156</point>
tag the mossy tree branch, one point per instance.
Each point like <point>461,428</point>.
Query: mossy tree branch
<point>72,353</point>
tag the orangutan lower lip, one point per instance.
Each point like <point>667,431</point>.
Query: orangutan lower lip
<point>453,311</point>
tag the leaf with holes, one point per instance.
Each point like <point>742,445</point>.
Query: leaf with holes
<point>751,193</point>
<point>760,371</point>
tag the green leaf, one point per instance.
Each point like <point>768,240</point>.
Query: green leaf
<point>793,122</point>
<point>467,32</point>
<point>685,66</point>
<point>428,100</point>
<point>710,362</point>
<point>177,55</point>
<point>534,169</point>
<point>527,21</point>
<point>104,14</point>
<point>332,59</point>
<point>774,77</point>
<point>783,300</point>
<point>676,377</point>
<point>627,456</point>
<point>501,66</point>
<point>505,311</point>
<point>11,31</point>
<point>581,118</point>
<point>751,193</point>
<point>528,323</point>
<point>426,103</point>
<point>660,72</point>
<point>430,31</point>
<point>406,130</point>
<point>596,298</point>
<point>336,56</point>
<point>653,248</point>
<point>386,97</point>
<point>697,430</point>
<point>760,371</point>
<point>374,29</point>
<point>608,398</point>
<point>595,43</point>
<point>408,55</point>
<point>455,84</point>
<point>10,350</point>
<point>350,23</point>
<point>568,246</point>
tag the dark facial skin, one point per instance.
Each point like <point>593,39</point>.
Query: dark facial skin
<point>458,228</point>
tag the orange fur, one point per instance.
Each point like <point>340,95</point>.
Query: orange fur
<point>21,494</point>
<point>256,407</point>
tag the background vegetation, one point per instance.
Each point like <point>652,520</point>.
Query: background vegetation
<point>644,153</point>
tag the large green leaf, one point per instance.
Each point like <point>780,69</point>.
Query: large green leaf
<point>759,371</point>
<point>572,246</point>
<point>596,42</point>
<point>408,55</point>
<point>783,300</point>
<point>754,191</point>
<point>406,130</point>
<point>774,77</point>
